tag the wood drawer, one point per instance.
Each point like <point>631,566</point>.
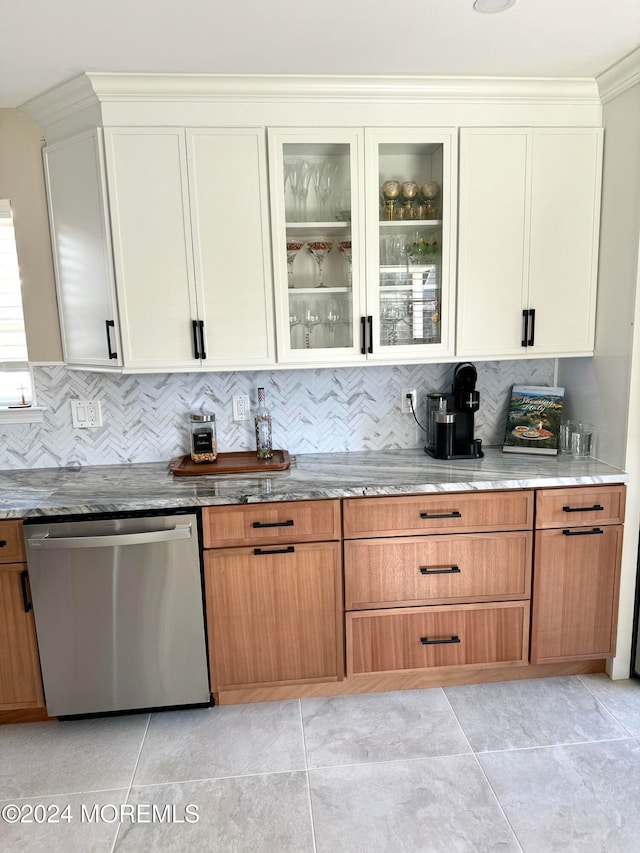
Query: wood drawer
<point>441,513</point>
<point>11,542</point>
<point>580,506</point>
<point>437,569</point>
<point>420,637</point>
<point>289,521</point>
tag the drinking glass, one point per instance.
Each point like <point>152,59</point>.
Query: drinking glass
<point>390,191</point>
<point>408,190</point>
<point>293,247</point>
<point>310,319</point>
<point>302,189</point>
<point>326,186</point>
<point>345,250</point>
<point>566,429</point>
<point>582,441</point>
<point>293,167</point>
<point>319,249</point>
<point>332,315</point>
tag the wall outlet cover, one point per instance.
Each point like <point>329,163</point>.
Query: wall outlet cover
<point>86,414</point>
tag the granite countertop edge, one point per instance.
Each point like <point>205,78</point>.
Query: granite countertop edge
<point>38,493</point>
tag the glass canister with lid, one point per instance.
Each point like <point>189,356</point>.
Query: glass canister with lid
<point>202,428</point>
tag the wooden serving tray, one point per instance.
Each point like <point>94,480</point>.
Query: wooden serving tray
<point>239,462</point>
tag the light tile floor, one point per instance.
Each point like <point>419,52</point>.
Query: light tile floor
<point>533,766</point>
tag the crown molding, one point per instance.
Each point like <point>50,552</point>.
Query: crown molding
<point>62,101</point>
<point>619,77</point>
<point>94,88</point>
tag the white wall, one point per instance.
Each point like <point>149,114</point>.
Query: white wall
<point>605,390</point>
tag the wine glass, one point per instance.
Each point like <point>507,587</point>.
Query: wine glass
<point>332,315</point>
<point>292,170</point>
<point>293,247</point>
<point>295,316</point>
<point>319,249</point>
<point>327,175</point>
<point>302,189</point>
<point>345,250</point>
<point>408,190</point>
<point>390,191</point>
<point>310,319</point>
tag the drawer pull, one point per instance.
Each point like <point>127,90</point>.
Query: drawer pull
<point>260,524</point>
<point>592,532</point>
<point>443,642</point>
<point>3,543</point>
<point>594,508</point>
<point>425,570</point>
<point>261,551</point>
<point>454,514</point>
<point>25,598</point>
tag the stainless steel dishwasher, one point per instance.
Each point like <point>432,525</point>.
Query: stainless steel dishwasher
<point>118,607</point>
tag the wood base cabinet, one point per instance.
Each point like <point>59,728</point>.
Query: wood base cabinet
<point>576,573</point>
<point>20,679</point>
<point>274,610</point>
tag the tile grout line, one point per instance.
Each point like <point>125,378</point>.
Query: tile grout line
<point>133,774</point>
<point>477,760</point>
<point>553,745</point>
<point>306,764</point>
<point>610,713</point>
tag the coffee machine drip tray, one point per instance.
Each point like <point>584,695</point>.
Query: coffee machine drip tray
<point>473,452</point>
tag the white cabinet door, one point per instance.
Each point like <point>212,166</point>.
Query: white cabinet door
<point>153,256</point>
<point>528,241</point>
<point>565,217</point>
<point>493,241</point>
<point>230,223</point>
<point>79,220</point>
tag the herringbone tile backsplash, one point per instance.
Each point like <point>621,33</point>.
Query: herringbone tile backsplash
<point>314,411</point>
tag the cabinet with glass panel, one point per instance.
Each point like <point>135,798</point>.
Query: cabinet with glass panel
<point>352,290</point>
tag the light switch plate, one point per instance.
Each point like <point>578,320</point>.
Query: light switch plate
<point>86,414</point>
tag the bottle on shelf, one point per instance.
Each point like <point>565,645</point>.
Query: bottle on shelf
<point>264,444</point>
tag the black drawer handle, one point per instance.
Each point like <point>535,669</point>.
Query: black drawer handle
<point>3,543</point>
<point>444,642</point>
<point>194,330</point>
<point>425,570</point>
<point>454,514</point>
<point>110,324</point>
<point>594,508</point>
<point>261,524</point>
<point>592,532</point>
<point>25,597</point>
<point>258,552</point>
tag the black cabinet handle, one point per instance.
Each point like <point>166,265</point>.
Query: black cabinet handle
<point>25,597</point>
<point>594,508</point>
<point>445,641</point>
<point>203,352</point>
<point>525,326</point>
<point>194,329</point>
<point>260,524</point>
<point>425,570</point>
<point>363,333</point>
<point>3,543</point>
<point>532,330</point>
<point>454,514</point>
<point>261,551</point>
<point>110,324</point>
<point>594,531</point>
<point>370,323</point>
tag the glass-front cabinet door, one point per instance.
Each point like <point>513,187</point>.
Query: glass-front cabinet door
<point>410,202</point>
<point>316,193</point>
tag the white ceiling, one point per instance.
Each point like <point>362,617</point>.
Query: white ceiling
<point>45,42</point>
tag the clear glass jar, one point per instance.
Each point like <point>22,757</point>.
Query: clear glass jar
<point>203,437</point>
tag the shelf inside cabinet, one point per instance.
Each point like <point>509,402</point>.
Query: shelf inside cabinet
<point>304,229</point>
<point>394,224</point>
<point>317,291</point>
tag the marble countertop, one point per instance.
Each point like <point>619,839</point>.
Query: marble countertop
<point>113,488</point>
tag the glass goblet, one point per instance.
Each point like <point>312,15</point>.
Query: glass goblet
<point>326,186</point>
<point>319,249</point>
<point>292,170</point>
<point>302,188</point>
<point>408,190</point>
<point>345,251</point>
<point>310,319</point>
<point>331,317</point>
<point>293,247</point>
<point>390,191</point>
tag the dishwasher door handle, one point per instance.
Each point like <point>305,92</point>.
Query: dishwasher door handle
<point>180,531</point>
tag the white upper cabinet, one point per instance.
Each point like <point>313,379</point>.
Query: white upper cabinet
<point>528,240</point>
<point>360,276</point>
<point>190,244</point>
<point>79,220</point>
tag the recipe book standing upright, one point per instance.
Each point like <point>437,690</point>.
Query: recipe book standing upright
<point>533,421</point>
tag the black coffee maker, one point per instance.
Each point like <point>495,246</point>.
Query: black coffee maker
<point>450,418</point>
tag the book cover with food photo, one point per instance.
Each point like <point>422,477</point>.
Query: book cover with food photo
<point>533,421</point>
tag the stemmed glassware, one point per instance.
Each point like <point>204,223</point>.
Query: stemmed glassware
<point>390,192</point>
<point>345,250</point>
<point>319,249</point>
<point>332,315</point>
<point>293,247</point>
<point>310,319</point>
<point>295,316</point>
<point>302,188</point>
<point>293,169</point>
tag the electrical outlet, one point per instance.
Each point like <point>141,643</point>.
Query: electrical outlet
<point>241,408</point>
<point>409,395</point>
<point>86,414</point>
